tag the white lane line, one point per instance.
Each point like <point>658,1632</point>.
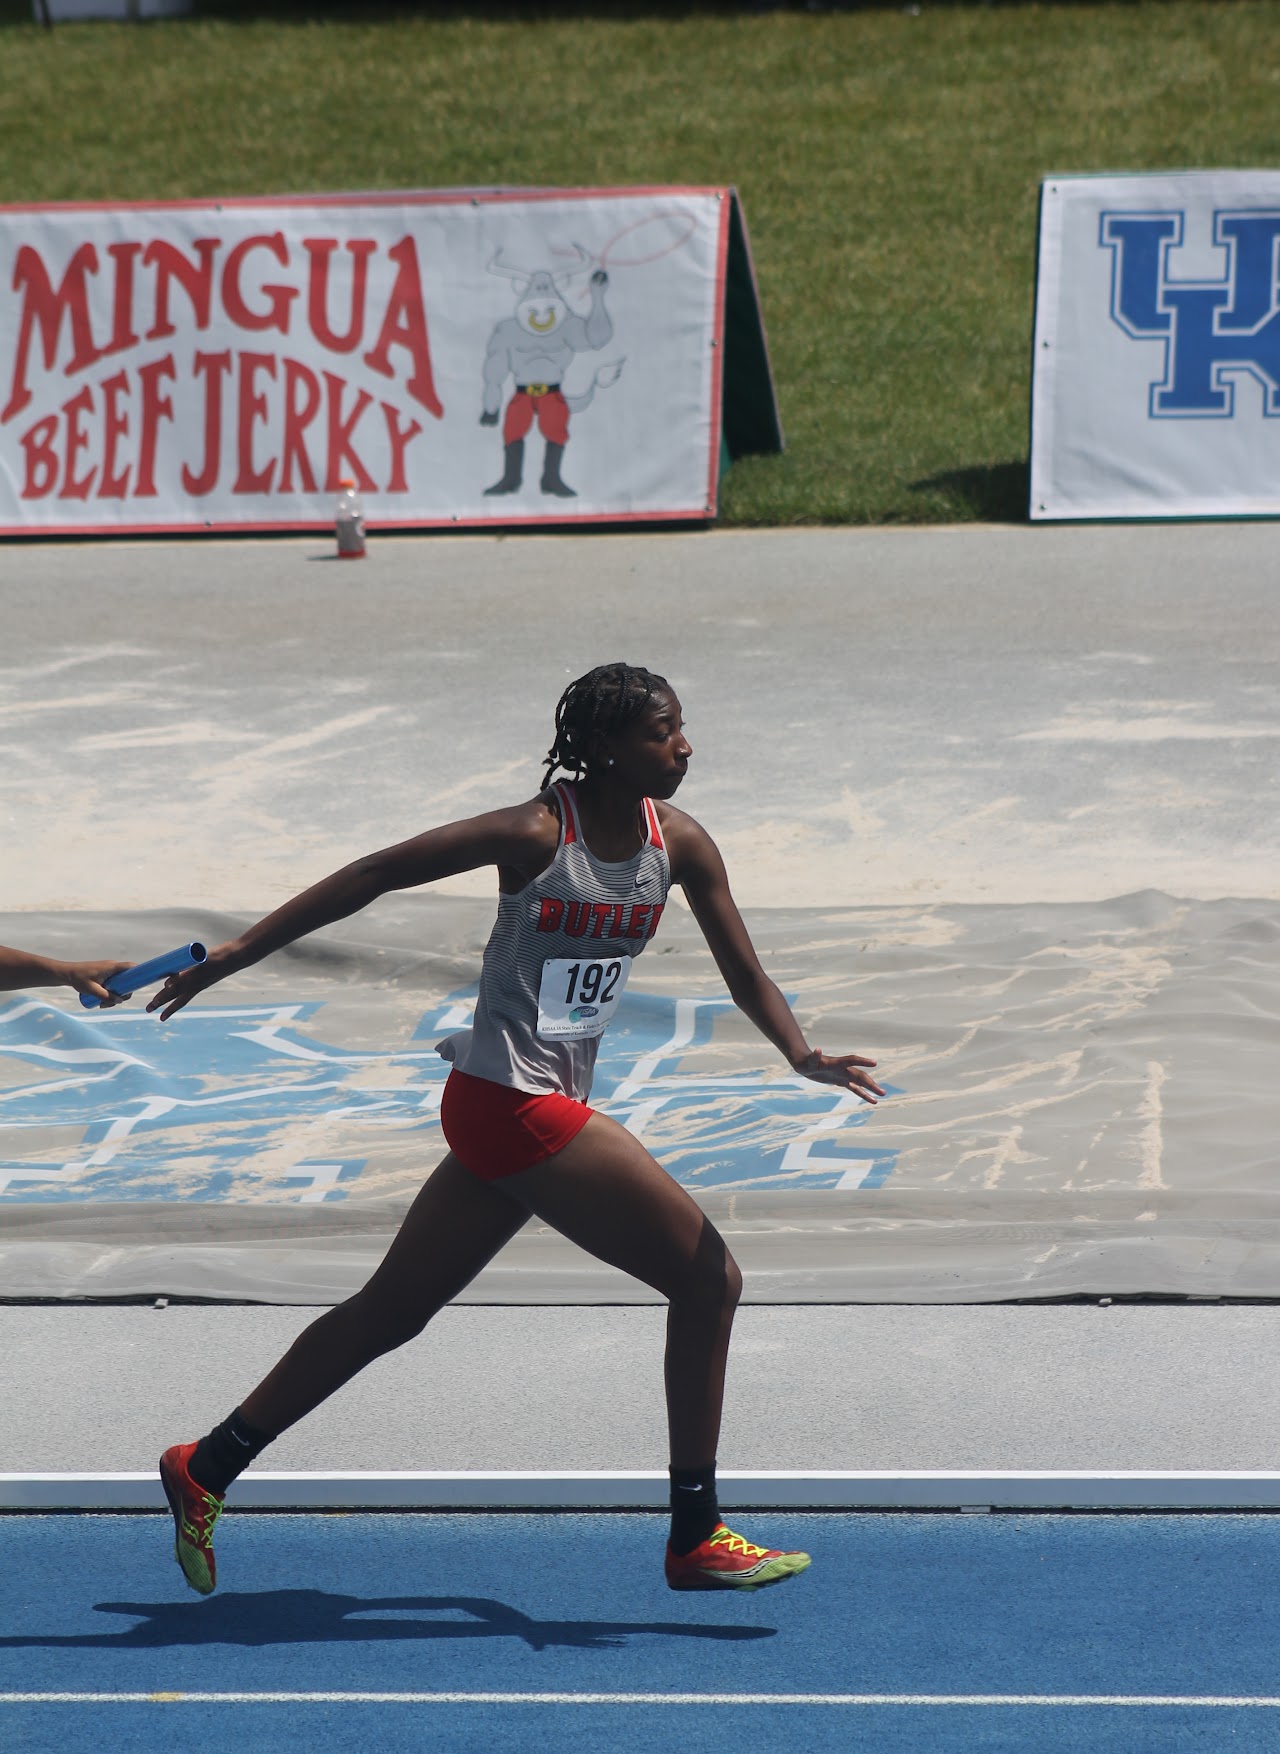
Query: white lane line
<point>1193,1700</point>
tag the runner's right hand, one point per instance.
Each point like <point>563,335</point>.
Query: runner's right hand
<point>180,989</point>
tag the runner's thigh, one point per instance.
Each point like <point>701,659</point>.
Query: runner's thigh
<point>607,1194</point>
<point>454,1228</point>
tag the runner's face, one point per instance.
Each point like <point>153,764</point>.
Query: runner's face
<point>653,752</point>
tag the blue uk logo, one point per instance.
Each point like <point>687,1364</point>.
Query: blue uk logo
<point>241,1102</point>
<point>1214,330</point>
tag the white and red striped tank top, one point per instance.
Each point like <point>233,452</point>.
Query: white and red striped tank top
<point>558,958</point>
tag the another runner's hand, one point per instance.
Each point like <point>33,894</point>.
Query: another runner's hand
<point>91,977</point>
<point>180,989</point>
<point>843,1069</point>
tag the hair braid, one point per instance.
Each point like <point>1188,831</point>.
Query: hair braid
<point>599,703</point>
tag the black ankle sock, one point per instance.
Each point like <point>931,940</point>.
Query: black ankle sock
<point>226,1452</point>
<point>694,1511</point>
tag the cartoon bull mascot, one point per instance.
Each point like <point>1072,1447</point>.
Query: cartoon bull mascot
<point>536,347</point>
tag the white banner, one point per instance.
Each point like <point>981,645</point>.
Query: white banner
<point>1156,384</point>
<point>513,358</point>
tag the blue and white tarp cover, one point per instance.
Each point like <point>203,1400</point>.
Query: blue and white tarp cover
<point>1051,1124</point>
<point>252,1102</point>
<point>1156,389</point>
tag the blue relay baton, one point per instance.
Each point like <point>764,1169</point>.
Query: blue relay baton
<point>146,974</point>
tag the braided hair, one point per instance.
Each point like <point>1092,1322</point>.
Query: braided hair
<point>598,704</point>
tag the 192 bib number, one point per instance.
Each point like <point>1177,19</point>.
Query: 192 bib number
<point>577,998</point>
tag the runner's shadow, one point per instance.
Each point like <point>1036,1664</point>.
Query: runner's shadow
<point>317,1617</point>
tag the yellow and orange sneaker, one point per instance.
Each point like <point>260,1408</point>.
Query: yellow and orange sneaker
<point>725,1561</point>
<point>195,1514</point>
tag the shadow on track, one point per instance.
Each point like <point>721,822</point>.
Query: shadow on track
<point>316,1617</point>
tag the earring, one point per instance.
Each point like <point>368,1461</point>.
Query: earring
<point>609,763</point>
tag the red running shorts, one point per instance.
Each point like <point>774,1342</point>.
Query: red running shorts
<point>495,1131</point>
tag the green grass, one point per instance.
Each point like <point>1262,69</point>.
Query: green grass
<point>888,165</point>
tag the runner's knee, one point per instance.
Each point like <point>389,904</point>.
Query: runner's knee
<point>731,1287</point>
<point>389,1319</point>
<point>713,1284</point>
<point>733,1281</point>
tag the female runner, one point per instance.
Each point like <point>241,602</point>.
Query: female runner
<point>583,874</point>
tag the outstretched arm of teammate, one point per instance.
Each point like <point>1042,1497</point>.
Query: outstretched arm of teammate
<point>697,866</point>
<point>522,839</point>
<point>20,968</point>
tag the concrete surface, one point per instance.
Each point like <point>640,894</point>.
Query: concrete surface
<point>975,1387</point>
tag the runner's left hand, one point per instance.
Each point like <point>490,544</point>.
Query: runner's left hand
<point>843,1069</point>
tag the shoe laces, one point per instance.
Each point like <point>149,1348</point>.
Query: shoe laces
<point>212,1508</point>
<point>737,1544</point>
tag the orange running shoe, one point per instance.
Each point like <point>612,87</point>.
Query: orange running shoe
<point>725,1561</point>
<point>195,1515</point>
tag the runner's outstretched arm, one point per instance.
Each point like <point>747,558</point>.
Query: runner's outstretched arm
<point>518,838</point>
<point>698,867</point>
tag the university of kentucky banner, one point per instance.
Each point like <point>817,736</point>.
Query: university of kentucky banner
<point>1156,386</point>
<point>464,358</point>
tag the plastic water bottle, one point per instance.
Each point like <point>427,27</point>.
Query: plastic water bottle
<point>348,523</point>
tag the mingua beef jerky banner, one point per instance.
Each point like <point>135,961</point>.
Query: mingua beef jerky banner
<point>464,358</point>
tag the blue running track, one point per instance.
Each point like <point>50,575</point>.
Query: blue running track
<point>498,1634</point>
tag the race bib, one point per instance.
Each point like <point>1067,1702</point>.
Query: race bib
<point>577,997</point>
